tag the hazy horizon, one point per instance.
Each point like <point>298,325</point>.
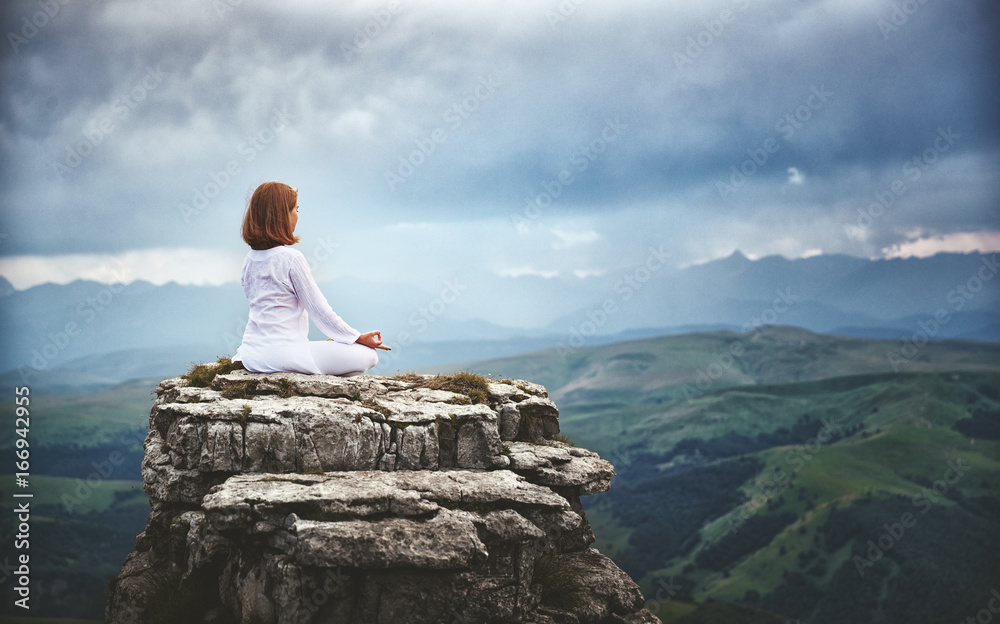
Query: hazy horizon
<point>518,141</point>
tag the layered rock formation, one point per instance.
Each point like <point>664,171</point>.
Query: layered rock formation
<point>298,499</point>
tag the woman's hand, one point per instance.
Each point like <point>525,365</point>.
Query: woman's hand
<point>373,340</point>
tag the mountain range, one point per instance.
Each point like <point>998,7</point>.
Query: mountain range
<point>62,336</point>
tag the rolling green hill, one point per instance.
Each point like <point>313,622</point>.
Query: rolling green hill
<point>75,548</point>
<point>756,480</point>
<point>682,366</point>
<point>728,510</point>
<point>757,475</point>
<point>88,504</point>
<point>91,419</point>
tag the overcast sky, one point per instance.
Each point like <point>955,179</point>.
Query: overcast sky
<point>503,139</point>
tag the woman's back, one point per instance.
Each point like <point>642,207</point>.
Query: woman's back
<point>276,314</point>
<point>282,294</point>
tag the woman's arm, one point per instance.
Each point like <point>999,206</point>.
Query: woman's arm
<point>315,303</point>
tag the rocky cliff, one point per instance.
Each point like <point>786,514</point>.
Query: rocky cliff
<point>298,499</point>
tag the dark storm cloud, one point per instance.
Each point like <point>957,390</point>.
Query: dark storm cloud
<point>444,112</point>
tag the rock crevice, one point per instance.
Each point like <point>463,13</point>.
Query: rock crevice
<point>296,499</point>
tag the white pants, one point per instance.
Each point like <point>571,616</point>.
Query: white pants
<point>346,360</point>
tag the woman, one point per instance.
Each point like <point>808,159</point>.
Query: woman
<point>282,294</point>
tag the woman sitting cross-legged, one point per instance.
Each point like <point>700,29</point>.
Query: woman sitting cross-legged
<point>282,294</point>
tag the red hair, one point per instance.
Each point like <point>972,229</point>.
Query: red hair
<point>266,223</point>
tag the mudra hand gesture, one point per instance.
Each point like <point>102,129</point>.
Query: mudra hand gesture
<point>371,339</point>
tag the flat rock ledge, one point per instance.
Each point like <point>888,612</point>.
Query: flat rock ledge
<point>309,499</point>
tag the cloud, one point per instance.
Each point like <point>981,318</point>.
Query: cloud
<point>159,266</point>
<point>568,239</point>
<point>486,107</point>
<point>525,271</point>
<point>958,242</point>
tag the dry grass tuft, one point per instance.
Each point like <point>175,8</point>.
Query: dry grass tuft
<point>470,384</point>
<point>201,375</point>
